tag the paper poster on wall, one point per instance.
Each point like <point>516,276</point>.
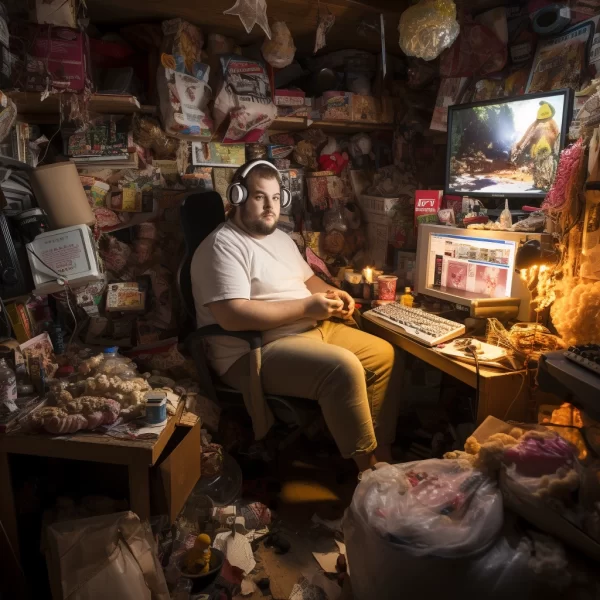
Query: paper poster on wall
<point>560,61</point>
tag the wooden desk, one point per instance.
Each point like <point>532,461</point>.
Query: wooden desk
<point>497,389</point>
<point>137,455</point>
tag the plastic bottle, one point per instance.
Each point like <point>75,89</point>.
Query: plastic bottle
<point>8,386</point>
<point>116,364</point>
<point>406,299</point>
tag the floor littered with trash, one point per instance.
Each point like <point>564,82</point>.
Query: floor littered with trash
<point>292,550</point>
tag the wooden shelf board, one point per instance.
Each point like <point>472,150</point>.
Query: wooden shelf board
<point>299,123</point>
<point>30,103</point>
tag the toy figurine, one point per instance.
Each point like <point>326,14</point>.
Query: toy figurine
<point>197,559</point>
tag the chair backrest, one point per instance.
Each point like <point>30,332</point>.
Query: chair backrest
<point>200,214</point>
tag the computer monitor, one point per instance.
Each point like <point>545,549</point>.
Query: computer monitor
<point>474,269</point>
<point>507,148</point>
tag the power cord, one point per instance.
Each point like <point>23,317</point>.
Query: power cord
<point>61,280</point>
<point>471,348</point>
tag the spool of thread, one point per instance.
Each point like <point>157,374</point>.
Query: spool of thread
<point>59,192</point>
<point>551,19</point>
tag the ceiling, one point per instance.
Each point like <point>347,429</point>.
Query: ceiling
<point>300,16</point>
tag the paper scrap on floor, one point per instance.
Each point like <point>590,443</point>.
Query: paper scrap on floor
<point>237,550</point>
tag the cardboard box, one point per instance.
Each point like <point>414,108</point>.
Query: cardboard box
<point>389,226</point>
<point>57,54</point>
<point>533,510</point>
<point>289,98</point>
<point>176,472</point>
<point>294,111</point>
<point>427,204</point>
<point>335,106</point>
<point>366,109</point>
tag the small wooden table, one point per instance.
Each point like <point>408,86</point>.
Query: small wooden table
<point>137,455</point>
<point>498,390</point>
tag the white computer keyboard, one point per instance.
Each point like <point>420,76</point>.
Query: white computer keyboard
<point>415,323</point>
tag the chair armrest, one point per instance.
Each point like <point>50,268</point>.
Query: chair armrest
<point>254,338</point>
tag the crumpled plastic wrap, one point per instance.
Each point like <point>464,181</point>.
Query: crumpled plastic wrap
<point>428,28</point>
<point>280,49</point>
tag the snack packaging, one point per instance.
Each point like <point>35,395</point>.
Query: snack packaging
<point>182,82</point>
<point>244,102</point>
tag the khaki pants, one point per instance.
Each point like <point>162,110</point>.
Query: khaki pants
<point>354,376</point>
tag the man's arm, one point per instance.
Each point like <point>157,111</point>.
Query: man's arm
<point>258,315</point>
<point>316,285</point>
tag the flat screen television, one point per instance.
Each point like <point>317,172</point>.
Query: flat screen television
<point>509,147</point>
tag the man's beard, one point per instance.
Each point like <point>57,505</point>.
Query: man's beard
<point>259,227</point>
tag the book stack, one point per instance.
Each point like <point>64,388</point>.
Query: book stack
<point>21,319</point>
<point>107,143</point>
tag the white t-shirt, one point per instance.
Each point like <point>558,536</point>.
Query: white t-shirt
<point>231,264</point>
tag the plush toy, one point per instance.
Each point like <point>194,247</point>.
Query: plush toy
<point>333,162</point>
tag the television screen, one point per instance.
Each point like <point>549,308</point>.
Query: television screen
<point>507,147</point>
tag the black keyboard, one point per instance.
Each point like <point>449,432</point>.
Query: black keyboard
<point>586,355</point>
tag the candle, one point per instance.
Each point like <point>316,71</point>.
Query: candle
<point>368,274</point>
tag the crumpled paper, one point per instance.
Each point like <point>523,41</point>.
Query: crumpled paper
<point>251,12</point>
<point>237,550</point>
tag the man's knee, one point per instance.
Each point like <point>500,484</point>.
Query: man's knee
<point>346,368</point>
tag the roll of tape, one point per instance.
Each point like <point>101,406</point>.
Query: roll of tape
<point>551,19</point>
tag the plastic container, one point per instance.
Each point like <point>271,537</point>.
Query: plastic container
<point>116,364</point>
<point>406,299</point>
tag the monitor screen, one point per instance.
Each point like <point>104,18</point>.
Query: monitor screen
<point>507,148</point>
<point>470,267</point>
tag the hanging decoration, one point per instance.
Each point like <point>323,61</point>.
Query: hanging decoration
<point>251,12</point>
<point>325,21</point>
<point>428,28</point>
<point>280,49</point>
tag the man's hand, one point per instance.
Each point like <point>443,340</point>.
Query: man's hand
<point>347,299</point>
<point>322,306</point>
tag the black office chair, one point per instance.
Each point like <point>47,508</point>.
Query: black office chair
<point>200,214</point>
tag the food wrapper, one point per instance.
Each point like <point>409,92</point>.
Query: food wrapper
<point>280,49</point>
<point>148,134</point>
<point>244,101</point>
<point>182,82</point>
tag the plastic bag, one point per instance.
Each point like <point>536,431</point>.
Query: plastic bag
<point>280,49</point>
<point>464,554</point>
<point>536,455</point>
<point>431,507</point>
<point>505,219</point>
<point>428,28</point>
<point>478,51</point>
<point>111,556</point>
<point>244,99</point>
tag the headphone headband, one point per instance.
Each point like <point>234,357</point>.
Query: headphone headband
<point>255,163</point>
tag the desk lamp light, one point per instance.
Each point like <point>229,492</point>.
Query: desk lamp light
<point>532,254</point>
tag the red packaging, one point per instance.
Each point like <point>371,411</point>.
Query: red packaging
<point>453,202</point>
<point>56,59</point>
<point>427,204</point>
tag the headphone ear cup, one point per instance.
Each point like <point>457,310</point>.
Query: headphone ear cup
<point>286,198</point>
<point>236,194</point>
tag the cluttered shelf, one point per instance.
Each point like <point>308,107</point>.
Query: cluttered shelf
<point>31,103</point>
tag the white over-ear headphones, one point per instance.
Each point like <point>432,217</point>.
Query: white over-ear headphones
<point>237,192</point>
